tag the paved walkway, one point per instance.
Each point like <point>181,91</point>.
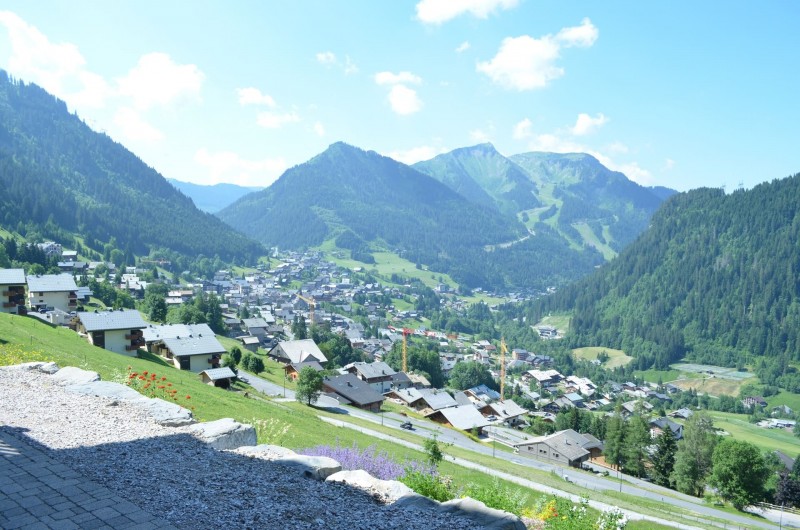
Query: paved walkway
<point>37,491</point>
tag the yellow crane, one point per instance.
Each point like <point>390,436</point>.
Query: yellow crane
<point>311,304</point>
<point>503,351</point>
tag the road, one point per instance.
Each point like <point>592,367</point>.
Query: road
<point>267,387</point>
<point>628,485</point>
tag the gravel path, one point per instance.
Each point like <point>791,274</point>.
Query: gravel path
<point>181,479</point>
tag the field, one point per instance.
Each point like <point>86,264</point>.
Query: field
<point>766,439</point>
<point>654,376</point>
<point>560,322</point>
<point>711,380</point>
<point>590,353</point>
<point>785,398</point>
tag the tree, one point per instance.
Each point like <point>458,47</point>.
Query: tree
<point>637,438</point>
<point>787,492</point>
<point>469,374</point>
<point>433,450</point>
<point>252,363</point>
<point>155,302</point>
<point>693,459</point>
<point>739,472</point>
<point>309,385</point>
<point>615,439</point>
<point>663,459</point>
<point>299,329</point>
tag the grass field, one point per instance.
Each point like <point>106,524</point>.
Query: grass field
<point>560,322</point>
<point>654,376</point>
<point>590,238</point>
<point>590,353</point>
<point>785,398</point>
<point>713,386</point>
<point>766,439</point>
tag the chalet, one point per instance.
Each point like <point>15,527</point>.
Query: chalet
<point>629,408</point>
<point>52,290</point>
<point>297,351</point>
<point>547,332</point>
<point>433,400</point>
<point>193,353</point>
<point>411,397</point>
<point>219,377</point>
<point>256,327</point>
<point>378,374</point>
<point>419,381</point>
<point>155,334</point>
<point>544,378</point>
<point>350,390</point>
<point>659,425</point>
<point>118,331</point>
<point>292,371</point>
<point>401,380</point>
<point>506,411</point>
<point>12,289</point>
<point>567,447</point>
<point>482,393</point>
<point>748,402</point>
<point>461,417</point>
<point>250,343</point>
<point>683,414</point>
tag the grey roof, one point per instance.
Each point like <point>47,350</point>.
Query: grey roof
<point>484,393</point>
<point>50,283</point>
<point>464,417</point>
<point>439,400</point>
<point>254,323</point>
<point>110,320</point>
<point>372,370</point>
<point>170,331</point>
<point>198,345</point>
<point>353,389</point>
<point>298,351</point>
<point>409,395</point>
<point>308,364</point>
<point>215,374</point>
<point>507,409</point>
<point>568,443</point>
<point>461,398</point>
<point>400,378</point>
<point>12,277</point>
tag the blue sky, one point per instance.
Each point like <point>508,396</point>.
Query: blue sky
<point>680,94</point>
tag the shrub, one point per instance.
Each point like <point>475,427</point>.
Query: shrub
<point>495,495</point>
<point>431,485</point>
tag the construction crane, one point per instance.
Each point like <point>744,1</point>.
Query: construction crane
<point>503,351</point>
<point>406,333</point>
<point>311,304</point>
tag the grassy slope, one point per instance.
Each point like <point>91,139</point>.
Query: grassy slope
<point>615,357</point>
<point>766,439</point>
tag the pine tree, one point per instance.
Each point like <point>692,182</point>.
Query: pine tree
<point>637,439</point>
<point>663,459</point>
<point>615,439</point>
<point>693,460</point>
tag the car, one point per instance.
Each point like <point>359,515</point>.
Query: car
<point>492,418</point>
<point>407,425</point>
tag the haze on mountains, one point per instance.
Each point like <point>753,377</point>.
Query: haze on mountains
<point>212,198</point>
<point>716,279</point>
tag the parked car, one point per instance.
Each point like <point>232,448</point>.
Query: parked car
<point>407,425</point>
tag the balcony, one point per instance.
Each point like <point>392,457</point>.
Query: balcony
<point>131,347</point>
<point>9,304</point>
<point>73,303</point>
<point>134,335</point>
<point>73,296</point>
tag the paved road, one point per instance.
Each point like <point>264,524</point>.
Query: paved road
<point>267,387</point>
<point>628,485</point>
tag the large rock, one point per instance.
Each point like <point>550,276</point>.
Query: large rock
<point>69,375</point>
<point>42,366</point>
<point>225,434</point>
<point>107,389</point>
<point>316,467</point>
<point>265,451</point>
<point>162,412</point>
<point>387,491</point>
<point>485,517</point>
<point>168,414</point>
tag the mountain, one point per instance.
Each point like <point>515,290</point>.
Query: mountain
<point>58,176</point>
<point>716,278</point>
<point>485,177</point>
<point>211,198</point>
<point>366,202</point>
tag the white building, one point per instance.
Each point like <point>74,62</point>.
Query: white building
<point>53,290</point>
<point>118,331</point>
<point>12,289</point>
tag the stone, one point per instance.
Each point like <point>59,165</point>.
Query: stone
<point>482,515</point>
<point>316,467</point>
<point>168,414</point>
<point>387,490</point>
<point>224,434</point>
<point>162,412</point>
<point>107,389</point>
<point>70,375</point>
<point>42,366</point>
<point>265,451</point>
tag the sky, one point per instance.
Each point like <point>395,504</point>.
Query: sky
<point>681,94</point>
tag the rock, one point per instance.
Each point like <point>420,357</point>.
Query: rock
<point>225,434</point>
<point>168,414</point>
<point>42,366</point>
<point>316,467</point>
<point>69,375</point>
<point>485,517</point>
<point>107,389</point>
<point>417,502</point>
<point>265,451</point>
<point>387,490</point>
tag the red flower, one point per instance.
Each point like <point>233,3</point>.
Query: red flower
<point>188,396</point>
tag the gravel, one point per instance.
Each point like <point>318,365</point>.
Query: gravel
<point>175,476</point>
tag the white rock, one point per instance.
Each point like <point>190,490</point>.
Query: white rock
<point>224,434</point>
<point>168,414</point>
<point>42,366</point>
<point>265,451</point>
<point>316,467</point>
<point>388,490</point>
<point>478,512</point>
<point>70,375</point>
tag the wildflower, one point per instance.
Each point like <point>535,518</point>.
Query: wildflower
<point>145,372</point>
<point>188,396</point>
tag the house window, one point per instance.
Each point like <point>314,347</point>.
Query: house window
<point>185,362</point>
<point>555,455</point>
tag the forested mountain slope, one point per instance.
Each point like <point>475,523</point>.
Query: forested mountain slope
<point>55,171</point>
<point>715,278</point>
<point>367,201</point>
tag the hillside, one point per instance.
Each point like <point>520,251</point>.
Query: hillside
<point>59,177</point>
<point>212,198</point>
<point>485,177</point>
<point>716,278</point>
<point>369,202</point>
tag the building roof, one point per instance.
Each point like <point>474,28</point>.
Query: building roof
<point>298,351</point>
<point>484,393</point>
<point>215,374</point>
<point>194,345</point>
<point>507,409</point>
<point>12,277</point>
<point>170,331</point>
<point>353,389</point>
<point>111,320</point>
<point>464,417</point>
<point>408,395</point>
<point>373,370</point>
<point>50,283</point>
<point>308,364</point>
<point>439,400</point>
<point>399,378</point>
<point>254,323</point>
<point>568,443</point>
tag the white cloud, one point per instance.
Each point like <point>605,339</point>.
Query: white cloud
<point>58,68</point>
<point>527,63</point>
<point>227,166</point>
<point>133,127</point>
<point>319,129</point>
<point>404,100</point>
<point>349,66</point>
<point>464,46</point>
<point>586,124</point>
<point>157,80</point>
<point>582,36</point>
<point>276,120</point>
<point>416,154</point>
<point>439,11</point>
<point>523,63</point>
<point>388,78</point>
<point>253,96</point>
<point>479,136</point>
<point>327,58</point>
<point>522,129</point>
